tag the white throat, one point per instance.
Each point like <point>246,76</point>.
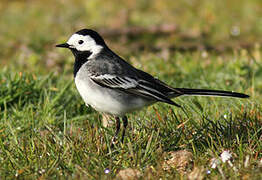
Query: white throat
<point>88,44</point>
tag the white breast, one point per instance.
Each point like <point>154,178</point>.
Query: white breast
<point>106,100</point>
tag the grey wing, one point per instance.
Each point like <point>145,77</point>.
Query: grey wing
<point>132,85</point>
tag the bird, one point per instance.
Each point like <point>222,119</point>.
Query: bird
<point>111,85</point>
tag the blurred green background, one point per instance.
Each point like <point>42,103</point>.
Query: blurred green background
<point>30,29</point>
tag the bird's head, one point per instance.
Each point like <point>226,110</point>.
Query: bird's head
<point>84,41</point>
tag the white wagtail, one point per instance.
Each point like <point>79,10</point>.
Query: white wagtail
<point>111,85</point>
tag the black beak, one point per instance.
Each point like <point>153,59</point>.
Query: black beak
<point>64,45</point>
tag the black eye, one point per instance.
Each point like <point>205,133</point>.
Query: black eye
<point>80,42</point>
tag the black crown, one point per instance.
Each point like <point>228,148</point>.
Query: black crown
<point>93,34</point>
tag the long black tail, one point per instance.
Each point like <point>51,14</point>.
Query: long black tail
<point>206,92</point>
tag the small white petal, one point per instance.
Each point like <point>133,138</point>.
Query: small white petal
<point>225,156</point>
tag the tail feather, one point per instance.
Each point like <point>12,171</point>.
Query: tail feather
<point>206,92</point>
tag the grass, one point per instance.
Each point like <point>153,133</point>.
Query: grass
<point>47,132</point>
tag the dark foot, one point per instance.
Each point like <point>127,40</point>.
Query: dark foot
<point>125,122</point>
<point>114,139</point>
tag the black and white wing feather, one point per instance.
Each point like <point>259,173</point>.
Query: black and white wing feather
<point>139,87</point>
<point>115,82</point>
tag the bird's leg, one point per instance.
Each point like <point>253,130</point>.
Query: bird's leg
<point>125,122</point>
<point>117,130</point>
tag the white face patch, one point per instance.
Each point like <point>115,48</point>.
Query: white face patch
<point>84,43</point>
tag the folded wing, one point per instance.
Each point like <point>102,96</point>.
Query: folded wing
<point>151,90</point>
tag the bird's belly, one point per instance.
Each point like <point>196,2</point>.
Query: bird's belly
<point>111,101</point>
